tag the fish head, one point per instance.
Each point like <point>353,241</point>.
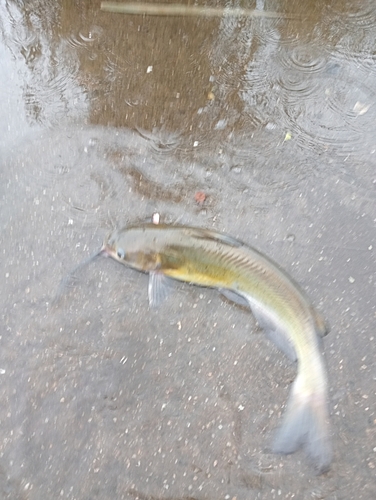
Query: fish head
<point>132,247</point>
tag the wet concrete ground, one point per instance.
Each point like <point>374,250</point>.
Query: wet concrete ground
<point>106,119</point>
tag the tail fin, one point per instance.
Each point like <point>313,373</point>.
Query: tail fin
<point>305,423</point>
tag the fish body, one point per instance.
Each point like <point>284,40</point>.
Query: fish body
<point>211,259</point>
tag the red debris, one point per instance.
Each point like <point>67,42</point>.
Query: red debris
<point>200,197</point>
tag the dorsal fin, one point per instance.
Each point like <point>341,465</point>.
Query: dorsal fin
<point>212,235</point>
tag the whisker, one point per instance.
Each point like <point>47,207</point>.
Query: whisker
<point>70,278</point>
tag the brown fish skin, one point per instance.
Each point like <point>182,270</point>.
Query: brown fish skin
<point>206,258</point>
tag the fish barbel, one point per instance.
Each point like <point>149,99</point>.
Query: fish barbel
<point>207,258</point>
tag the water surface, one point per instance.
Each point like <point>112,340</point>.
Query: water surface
<point>107,119</point>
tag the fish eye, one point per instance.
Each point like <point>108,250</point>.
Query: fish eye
<point>120,253</point>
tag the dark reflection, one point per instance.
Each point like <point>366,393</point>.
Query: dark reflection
<point>231,76</point>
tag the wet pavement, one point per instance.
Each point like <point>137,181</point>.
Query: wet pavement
<point>260,128</point>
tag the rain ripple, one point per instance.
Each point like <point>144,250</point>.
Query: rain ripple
<point>322,101</point>
<point>304,59</point>
<point>353,34</point>
<point>85,40</point>
<point>160,141</point>
<point>353,21</point>
<point>47,69</point>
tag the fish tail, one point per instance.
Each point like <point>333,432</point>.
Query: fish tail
<point>305,423</point>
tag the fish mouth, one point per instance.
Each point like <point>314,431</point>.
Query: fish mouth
<point>106,251</point>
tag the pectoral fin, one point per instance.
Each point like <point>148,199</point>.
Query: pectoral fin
<point>159,288</point>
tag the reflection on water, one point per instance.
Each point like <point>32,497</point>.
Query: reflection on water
<point>263,128</point>
<point>305,89</point>
<point>254,75</point>
<point>47,67</point>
